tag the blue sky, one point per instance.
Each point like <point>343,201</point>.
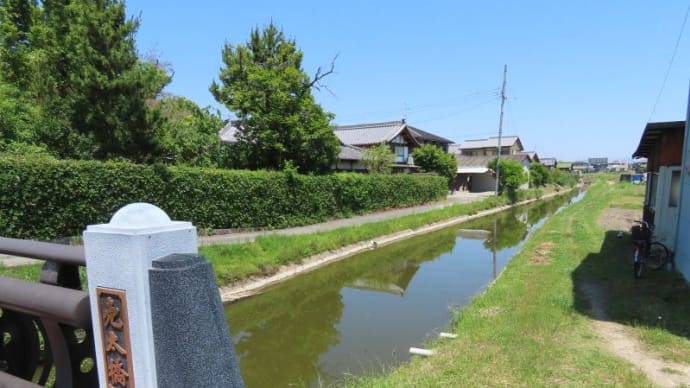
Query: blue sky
<point>583,76</point>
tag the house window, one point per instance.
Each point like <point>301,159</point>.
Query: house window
<point>401,152</point>
<point>674,194</point>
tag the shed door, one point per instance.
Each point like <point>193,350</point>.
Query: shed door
<point>667,201</point>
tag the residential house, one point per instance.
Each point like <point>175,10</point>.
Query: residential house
<point>355,139</point>
<point>424,137</point>
<point>473,157</point>
<point>474,176</point>
<point>549,162</point>
<point>533,157</point>
<point>662,144</point>
<point>488,147</point>
<point>350,158</point>
<point>401,137</point>
<point>228,134</point>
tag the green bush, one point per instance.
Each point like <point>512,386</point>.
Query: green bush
<point>44,198</point>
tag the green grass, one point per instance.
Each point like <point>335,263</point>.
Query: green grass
<point>24,272</point>
<point>532,326</point>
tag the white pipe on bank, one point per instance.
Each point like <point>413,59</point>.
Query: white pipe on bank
<point>421,352</point>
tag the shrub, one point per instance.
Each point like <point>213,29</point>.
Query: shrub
<point>44,198</point>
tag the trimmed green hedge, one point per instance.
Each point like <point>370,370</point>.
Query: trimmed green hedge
<point>45,198</point>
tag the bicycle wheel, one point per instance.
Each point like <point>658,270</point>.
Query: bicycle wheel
<point>657,256</point>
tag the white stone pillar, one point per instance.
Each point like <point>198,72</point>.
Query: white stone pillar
<point>118,259</point>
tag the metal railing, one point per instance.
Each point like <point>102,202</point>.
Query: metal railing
<point>45,328</point>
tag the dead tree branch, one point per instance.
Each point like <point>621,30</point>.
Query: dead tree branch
<point>316,81</point>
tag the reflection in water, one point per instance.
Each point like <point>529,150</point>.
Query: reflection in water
<point>361,314</point>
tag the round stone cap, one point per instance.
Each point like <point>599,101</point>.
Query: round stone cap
<point>140,215</point>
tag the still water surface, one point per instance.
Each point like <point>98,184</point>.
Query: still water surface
<point>363,314</point>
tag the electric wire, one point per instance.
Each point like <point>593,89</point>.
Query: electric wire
<point>668,70</point>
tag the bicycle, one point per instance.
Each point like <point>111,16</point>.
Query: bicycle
<point>648,254</point>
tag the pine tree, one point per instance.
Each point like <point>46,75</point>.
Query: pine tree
<point>280,123</point>
<point>77,61</point>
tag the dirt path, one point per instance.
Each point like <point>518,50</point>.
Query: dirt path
<point>618,338</point>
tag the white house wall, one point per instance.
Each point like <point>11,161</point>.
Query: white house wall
<point>682,244</point>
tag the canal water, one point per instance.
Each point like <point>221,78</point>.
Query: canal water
<point>361,315</point>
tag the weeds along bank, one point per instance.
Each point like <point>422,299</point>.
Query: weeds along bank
<point>43,198</point>
<point>530,328</point>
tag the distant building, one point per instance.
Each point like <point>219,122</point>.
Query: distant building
<point>549,162</point>
<point>582,167</point>
<point>510,145</point>
<point>617,166</point>
<point>598,164</point>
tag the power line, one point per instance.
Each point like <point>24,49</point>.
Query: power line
<point>457,112</point>
<point>668,70</point>
<point>419,108</point>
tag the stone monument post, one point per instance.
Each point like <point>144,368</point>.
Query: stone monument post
<point>119,257</point>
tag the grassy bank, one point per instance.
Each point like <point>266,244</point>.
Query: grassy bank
<point>532,327</point>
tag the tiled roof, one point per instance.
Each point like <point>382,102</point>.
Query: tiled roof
<point>369,134</point>
<point>228,133</point>
<point>349,152</point>
<point>533,157</point>
<point>506,141</point>
<point>424,135</point>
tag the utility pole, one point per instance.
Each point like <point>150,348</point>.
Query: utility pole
<point>500,127</point>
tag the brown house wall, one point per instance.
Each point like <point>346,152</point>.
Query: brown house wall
<point>668,151</point>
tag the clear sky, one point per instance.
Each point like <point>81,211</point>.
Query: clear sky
<point>583,76</point>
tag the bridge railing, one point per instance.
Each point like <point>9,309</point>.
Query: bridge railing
<point>152,316</point>
<point>46,326</point>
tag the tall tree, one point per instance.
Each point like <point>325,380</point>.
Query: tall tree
<point>511,176</point>
<point>538,174</point>
<point>431,158</point>
<point>280,123</point>
<point>80,66</point>
<point>189,134</point>
<point>16,21</point>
